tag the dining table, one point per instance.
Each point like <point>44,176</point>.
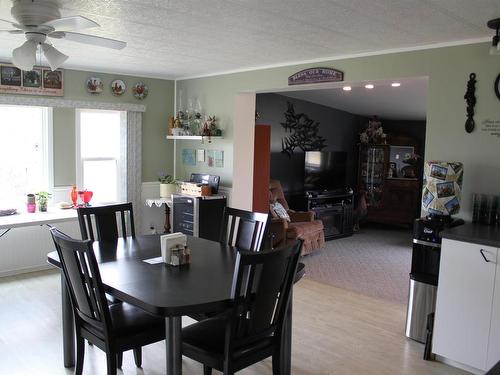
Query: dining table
<point>130,272</point>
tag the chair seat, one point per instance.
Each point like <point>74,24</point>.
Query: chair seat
<point>209,336</point>
<point>303,228</point>
<point>128,321</point>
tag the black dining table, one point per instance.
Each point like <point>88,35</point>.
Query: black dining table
<point>202,286</point>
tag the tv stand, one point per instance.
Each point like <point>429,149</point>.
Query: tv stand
<point>335,209</point>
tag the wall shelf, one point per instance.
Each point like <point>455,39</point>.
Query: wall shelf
<point>193,137</point>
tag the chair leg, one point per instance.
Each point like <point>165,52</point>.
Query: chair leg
<point>228,370</point>
<point>138,357</point>
<point>277,367</point>
<point>119,360</point>
<point>111,363</point>
<point>207,370</point>
<point>80,355</point>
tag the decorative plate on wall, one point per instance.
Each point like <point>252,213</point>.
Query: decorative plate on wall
<point>118,87</point>
<point>140,90</point>
<point>94,85</point>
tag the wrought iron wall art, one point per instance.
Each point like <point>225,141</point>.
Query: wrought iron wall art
<point>470,98</point>
<point>497,87</point>
<point>303,132</point>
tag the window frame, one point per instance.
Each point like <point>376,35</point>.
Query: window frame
<point>120,191</point>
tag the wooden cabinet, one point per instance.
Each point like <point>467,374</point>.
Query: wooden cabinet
<point>467,321</point>
<point>391,200</point>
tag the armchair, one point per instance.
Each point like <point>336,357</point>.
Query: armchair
<point>301,225</point>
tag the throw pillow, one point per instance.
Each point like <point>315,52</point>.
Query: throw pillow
<point>280,211</point>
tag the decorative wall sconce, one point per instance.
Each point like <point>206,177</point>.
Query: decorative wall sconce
<point>495,45</point>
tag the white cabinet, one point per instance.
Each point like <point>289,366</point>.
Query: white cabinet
<point>466,302</point>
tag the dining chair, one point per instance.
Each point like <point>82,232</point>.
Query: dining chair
<point>251,330</point>
<point>105,221</point>
<point>113,328</point>
<point>243,229</point>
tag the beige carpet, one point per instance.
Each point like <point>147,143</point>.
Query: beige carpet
<point>375,261</point>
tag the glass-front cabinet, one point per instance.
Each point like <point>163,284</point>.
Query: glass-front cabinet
<point>372,172</point>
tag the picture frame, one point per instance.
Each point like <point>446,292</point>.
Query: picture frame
<point>38,81</point>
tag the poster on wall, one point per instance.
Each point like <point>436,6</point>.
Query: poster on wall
<point>39,81</point>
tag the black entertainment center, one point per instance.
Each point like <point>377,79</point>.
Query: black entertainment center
<point>335,209</point>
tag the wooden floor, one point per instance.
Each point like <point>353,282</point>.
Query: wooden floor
<point>335,332</point>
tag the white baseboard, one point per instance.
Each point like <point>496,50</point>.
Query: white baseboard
<point>19,271</point>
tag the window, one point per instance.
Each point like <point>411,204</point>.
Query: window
<point>25,153</point>
<point>101,154</point>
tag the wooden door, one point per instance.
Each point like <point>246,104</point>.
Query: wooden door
<point>464,298</point>
<point>261,168</point>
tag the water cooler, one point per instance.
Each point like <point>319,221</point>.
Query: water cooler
<point>440,199</point>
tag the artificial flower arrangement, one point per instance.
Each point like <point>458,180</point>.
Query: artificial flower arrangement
<point>374,133</point>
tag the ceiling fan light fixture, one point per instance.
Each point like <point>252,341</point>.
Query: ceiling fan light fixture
<point>54,57</point>
<point>24,57</point>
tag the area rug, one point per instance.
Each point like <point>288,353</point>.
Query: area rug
<point>375,261</point>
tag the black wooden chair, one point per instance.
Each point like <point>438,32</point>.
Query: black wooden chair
<point>243,229</point>
<point>113,328</point>
<point>105,219</point>
<point>252,329</point>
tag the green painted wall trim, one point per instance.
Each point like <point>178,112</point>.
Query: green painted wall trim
<point>448,69</point>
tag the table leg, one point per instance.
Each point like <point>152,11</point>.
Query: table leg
<point>173,326</point>
<point>166,226</point>
<point>68,325</point>
<point>286,341</point>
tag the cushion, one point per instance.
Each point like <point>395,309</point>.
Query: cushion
<point>279,211</point>
<point>304,229</point>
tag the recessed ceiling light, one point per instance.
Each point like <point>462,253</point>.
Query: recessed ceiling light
<point>347,88</point>
<point>395,84</point>
<point>370,86</point>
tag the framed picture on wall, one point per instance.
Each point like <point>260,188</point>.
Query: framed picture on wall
<point>38,81</point>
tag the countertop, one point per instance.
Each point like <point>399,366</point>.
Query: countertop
<point>24,219</point>
<point>474,233</point>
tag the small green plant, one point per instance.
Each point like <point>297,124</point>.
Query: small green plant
<point>166,179</point>
<point>42,197</point>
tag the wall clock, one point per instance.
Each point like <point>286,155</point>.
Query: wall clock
<point>497,86</point>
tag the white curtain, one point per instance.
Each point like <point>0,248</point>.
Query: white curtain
<point>133,167</point>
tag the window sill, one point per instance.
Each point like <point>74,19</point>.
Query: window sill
<point>24,219</point>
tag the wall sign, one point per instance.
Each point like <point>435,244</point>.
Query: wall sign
<point>39,81</point>
<point>316,75</point>
<point>492,127</point>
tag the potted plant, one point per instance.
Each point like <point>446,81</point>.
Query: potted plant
<point>42,197</point>
<point>168,185</point>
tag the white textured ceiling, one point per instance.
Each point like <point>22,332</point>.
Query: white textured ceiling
<point>406,102</point>
<point>179,38</point>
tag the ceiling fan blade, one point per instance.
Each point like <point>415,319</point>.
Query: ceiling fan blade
<point>92,40</point>
<point>71,23</point>
<point>7,23</point>
<point>15,31</point>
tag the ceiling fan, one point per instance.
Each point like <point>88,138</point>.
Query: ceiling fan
<point>39,19</point>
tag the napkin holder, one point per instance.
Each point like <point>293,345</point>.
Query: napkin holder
<point>174,249</point>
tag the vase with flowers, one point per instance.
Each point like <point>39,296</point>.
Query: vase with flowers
<point>374,133</point>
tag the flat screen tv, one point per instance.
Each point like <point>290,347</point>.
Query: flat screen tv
<point>325,170</point>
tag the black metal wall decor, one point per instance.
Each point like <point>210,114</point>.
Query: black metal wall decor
<point>303,132</point>
<point>470,98</point>
<point>497,87</point>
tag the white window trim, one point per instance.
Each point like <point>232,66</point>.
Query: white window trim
<point>78,152</point>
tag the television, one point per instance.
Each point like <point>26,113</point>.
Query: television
<point>325,170</point>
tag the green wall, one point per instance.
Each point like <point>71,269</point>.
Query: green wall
<point>448,70</point>
<point>156,151</point>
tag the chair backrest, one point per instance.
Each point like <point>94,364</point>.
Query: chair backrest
<point>276,193</point>
<point>83,279</point>
<point>261,287</point>
<point>105,218</point>
<point>243,229</point>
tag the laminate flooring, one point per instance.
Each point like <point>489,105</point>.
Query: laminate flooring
<point>335,331</point>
